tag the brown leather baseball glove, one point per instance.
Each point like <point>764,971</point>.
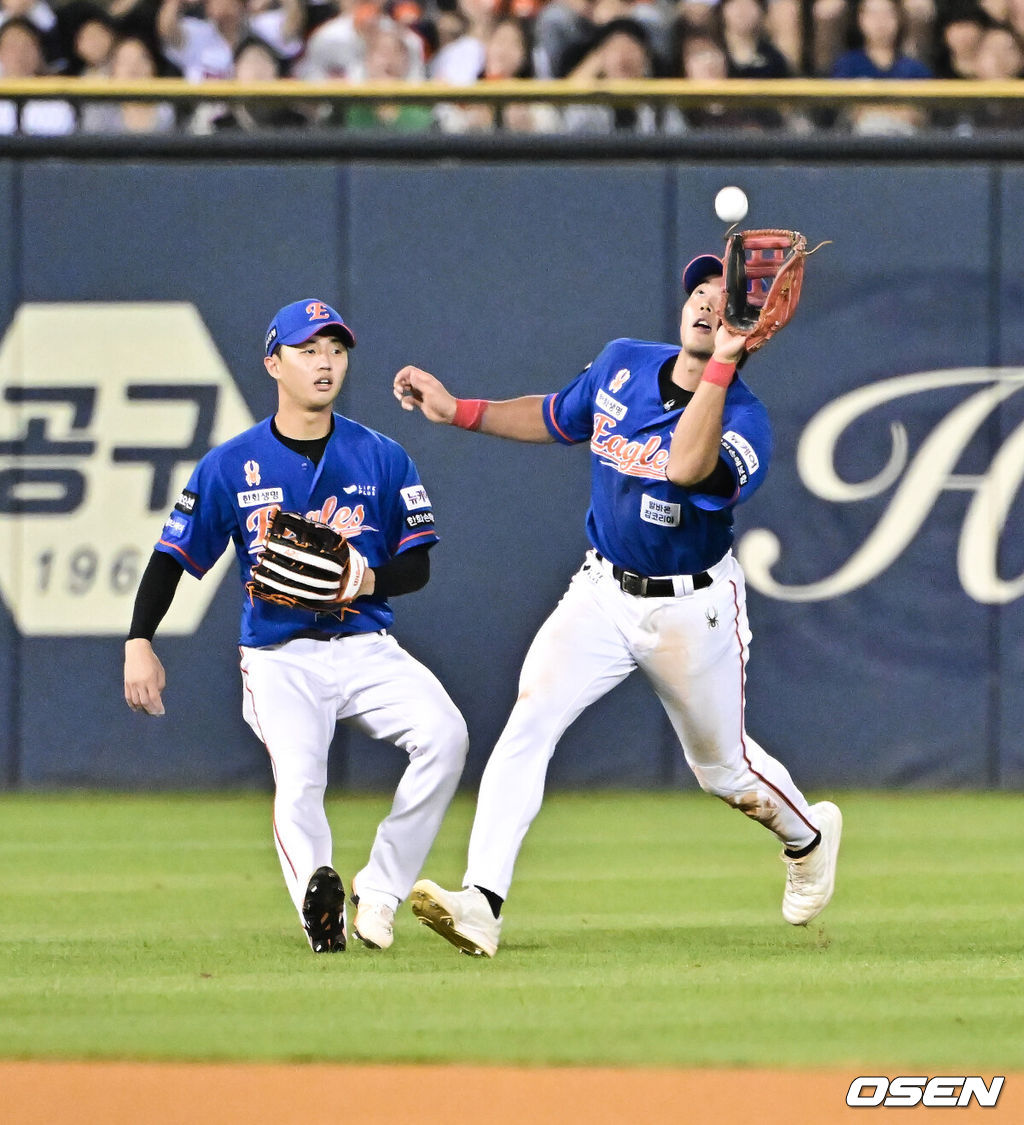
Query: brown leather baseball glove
<point>306,565</point>
<point>764,273</point>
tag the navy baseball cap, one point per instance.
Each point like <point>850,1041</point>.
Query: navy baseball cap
<point>297,322</point>
<point>703,266</point>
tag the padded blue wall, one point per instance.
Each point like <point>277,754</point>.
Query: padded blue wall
<point>508,279</point>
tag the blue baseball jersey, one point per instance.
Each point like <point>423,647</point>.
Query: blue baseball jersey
<point>637,517</point>
<point>365,486</point>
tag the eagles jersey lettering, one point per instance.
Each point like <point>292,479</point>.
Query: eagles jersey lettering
<point>638,518</point>
<point>365,486</point>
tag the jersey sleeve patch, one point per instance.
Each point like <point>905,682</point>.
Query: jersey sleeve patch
<point>187,503</point>
<point>415,496</point>
<point>742,455</point>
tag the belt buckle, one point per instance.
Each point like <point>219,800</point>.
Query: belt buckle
<point>635,584</point>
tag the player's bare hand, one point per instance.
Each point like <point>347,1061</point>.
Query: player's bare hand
<point>144,677</point>
<point>418,389</point>
<point>729,346</point>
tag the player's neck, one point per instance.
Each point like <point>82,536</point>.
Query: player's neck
<point>688,369</point>
<point>303,425</point>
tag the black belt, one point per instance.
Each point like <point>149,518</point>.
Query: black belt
<point>322,635</point>
<point>641,587</point>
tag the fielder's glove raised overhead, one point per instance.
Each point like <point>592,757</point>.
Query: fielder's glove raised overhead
<point>764,272</point>
<point>307,565</point>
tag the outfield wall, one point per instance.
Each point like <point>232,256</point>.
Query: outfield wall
<point>884,554</point>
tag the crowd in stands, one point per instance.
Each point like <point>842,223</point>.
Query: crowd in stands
<point>463,42</point>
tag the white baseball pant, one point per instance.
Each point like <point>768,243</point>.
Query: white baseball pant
<point>692,648</point>
<point>295,693</point>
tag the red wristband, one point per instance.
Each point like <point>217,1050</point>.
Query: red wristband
<point>469,412</point>
<point>719,373</point>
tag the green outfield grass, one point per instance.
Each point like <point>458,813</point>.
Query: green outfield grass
<point>642,930</point>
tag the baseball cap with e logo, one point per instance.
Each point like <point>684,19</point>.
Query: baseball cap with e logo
<point>297,322</point>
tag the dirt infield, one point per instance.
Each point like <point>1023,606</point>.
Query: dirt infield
<point>34,1093</point>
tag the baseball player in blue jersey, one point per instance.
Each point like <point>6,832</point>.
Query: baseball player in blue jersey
<point>304,671</point>
<point>677,440</point>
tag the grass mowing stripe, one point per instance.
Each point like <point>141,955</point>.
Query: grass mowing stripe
<point>642,929</point>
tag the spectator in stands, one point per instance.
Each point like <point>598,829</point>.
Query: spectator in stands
<point>832,24</point>
<point>879,53</point>
<point>1000,57</point>
<point>997,10</point>
<point>133,60</point>
<point>621,51</point>
<point>201,46</point>
<point>702,57</point>
<point>749,52</point>
<point>255,61</point>
<point>508,54</point>
<point>920,22</point>
<point>285,24</point>
<point>449,24</point>
<point>563,30</point>
<point>22,56</point>
<point>388,59</point>
<point>880,28</point>
<point>88,35</point>
<point>962,27</point>
<point>41,15</point>
<point>653,17</point>
<point>136,17</point>
<point>337,49</point>
<point>461,61</point>
<point>204,45</point>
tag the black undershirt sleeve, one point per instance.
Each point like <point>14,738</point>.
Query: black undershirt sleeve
<point>720,482</point>
<point>405,573</point>
<point>155,594</point>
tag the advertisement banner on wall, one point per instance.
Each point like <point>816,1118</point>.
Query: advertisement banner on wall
<point>104,410</point>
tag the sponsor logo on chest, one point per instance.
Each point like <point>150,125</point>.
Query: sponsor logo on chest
<point>611,405</point>
<point>260,496</point>
<point>659,512</point>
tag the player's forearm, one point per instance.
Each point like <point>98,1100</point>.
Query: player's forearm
<point>156,592</point>
<point>519,419</point>
<point>697,438</point>
<point>404,574</point>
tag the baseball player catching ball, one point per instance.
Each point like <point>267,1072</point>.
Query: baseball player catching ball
<point>336,521</point>
<point>677,440</point>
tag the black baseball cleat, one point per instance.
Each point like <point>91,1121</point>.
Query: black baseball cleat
<point>323,911</point>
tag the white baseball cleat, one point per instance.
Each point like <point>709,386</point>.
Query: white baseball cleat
<point>811,879</point>
<point>374,924</point>
<point>462,917</point>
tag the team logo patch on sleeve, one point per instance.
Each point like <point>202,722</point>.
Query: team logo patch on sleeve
<point>742,454</point>
<point>187,502</point>
<point>415,496</point>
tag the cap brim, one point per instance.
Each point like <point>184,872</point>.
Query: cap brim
<point>702,267</point>
<point>308,332</point>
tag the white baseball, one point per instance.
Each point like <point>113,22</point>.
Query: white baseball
<point>731,204</point>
